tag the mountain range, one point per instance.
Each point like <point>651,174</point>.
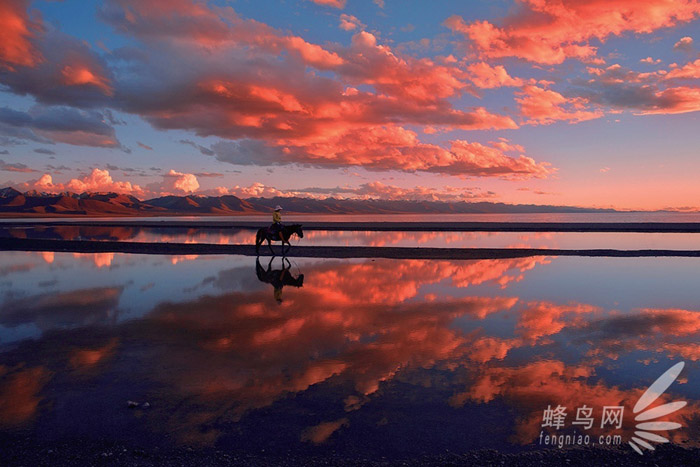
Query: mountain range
<point>14,203</point>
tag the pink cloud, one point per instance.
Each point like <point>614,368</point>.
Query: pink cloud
<point>96,181</point>
<point>372,190</point>
<point>549,32</point>
<point>340,4</point>
<point>101,181</point>
<point>177,182</point>
<point>544,106</point>
<point>350,22</point>
<point>685,44</point>
<point>255,190</point>
<point>486,76</point>
<point>687,71</point>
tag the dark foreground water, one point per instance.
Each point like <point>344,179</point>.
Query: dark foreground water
<point>362,358</point>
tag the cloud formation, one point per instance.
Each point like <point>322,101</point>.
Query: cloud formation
<point>386,148</point>
<point>58,124</point>
<point>371,190</point>
<point>550,32</point>
<point>278,109</point>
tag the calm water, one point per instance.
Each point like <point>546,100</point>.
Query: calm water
<point>362,357</point>
<point>556,240</point>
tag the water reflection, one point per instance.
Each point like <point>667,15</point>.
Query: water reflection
<point>368,357</point>
<point>278,278</point>
<point>220,235</point>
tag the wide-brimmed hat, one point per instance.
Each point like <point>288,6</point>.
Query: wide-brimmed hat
<point>278,208</point>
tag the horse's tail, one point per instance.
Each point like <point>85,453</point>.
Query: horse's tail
<point>259,238</point>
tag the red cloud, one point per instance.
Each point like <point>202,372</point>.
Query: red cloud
<point>16,33</point>
<point>81,75</point>
<point>543,106</point>
<point>292,114</point>
<point>422,80</point>
<point>542,319</point>
<point>20,394</point>
<point>386,148</point>
<point>549,32</point>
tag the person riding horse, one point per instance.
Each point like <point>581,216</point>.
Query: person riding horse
<point>277,232</point>
<point>276,227</point>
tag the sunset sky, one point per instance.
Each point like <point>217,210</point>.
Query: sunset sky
<point>573,102</point>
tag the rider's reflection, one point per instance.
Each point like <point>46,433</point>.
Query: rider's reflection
<point>278,278</point>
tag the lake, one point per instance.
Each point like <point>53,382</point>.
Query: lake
<point>362,358</point>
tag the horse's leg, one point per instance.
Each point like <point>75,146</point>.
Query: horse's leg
<point>258,242</point>
<point>269,245</point>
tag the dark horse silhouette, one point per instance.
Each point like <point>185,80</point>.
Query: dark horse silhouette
<point>286,232</point>
<point>278,278</point>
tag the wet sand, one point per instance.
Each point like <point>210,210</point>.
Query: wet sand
<point>86,246</point>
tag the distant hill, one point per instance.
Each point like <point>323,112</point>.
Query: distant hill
<point>377,206</point>
<point>227,204</point>
<point>14,203</point>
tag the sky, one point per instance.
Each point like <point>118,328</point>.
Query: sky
<point>591,103</point>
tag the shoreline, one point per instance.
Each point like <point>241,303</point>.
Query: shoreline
<point>614,227</point>
<point>88,246</point>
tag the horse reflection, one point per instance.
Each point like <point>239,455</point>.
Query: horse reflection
<point>278,278</point>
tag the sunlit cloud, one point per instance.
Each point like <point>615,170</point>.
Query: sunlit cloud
<point>16,33</point>
<point>544,107</point>
<point>551,32</point>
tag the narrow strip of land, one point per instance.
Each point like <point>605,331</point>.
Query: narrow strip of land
<point>648,227</point>
<point>80,246</point>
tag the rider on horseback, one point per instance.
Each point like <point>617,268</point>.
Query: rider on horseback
<point>276,227</point>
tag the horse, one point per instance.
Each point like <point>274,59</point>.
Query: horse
<point>286,232</point>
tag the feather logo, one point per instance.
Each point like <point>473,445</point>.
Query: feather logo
<point>645,431</point>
